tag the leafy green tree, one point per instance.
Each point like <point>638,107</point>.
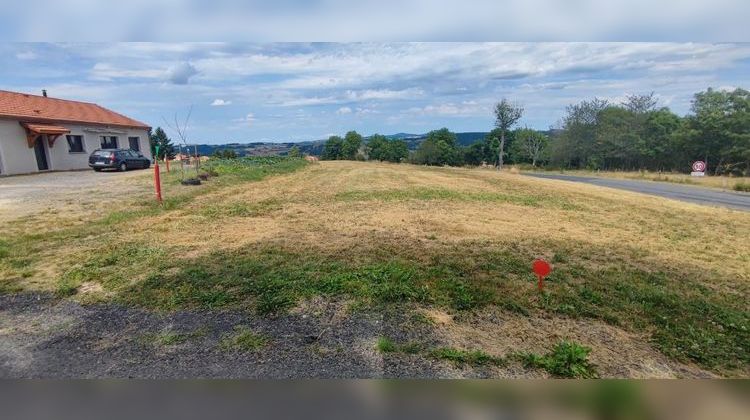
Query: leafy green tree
<point>396,151</point>
<point>718,131</point>
<point>506,115</point>
<point>166,148</point>
<point>474,154</point>
<point>576,144</point>
<point>662,148</point>
<point>350,147</point>
<point>333,148</point>
<point>491,147</point>
<point>382,149</point>
<point>376,146</point>
<point>617,141</point>
<point>294,152</point>
<point>439,148</point>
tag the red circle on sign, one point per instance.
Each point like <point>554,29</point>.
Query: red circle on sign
<point>541,268</point>
<point>699,166</point>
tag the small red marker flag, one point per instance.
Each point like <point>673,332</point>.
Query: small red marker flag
<point>541,269</point>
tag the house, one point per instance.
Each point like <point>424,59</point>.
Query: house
<point>38,133</point>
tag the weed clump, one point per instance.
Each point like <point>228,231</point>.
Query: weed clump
<point>243,340</point>
<point>566,360</point>
<point>466,357</point>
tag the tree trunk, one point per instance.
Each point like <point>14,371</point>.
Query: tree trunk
<point>533,162</point>
<point>500,152</point>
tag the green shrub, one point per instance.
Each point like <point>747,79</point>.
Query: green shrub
<point>742,186</point>
<point>386,345</point>
<point>566,360</point>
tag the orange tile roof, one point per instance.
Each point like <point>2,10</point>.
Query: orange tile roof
<point>43,109</point>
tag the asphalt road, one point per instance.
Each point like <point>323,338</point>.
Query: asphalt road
<point>698,195</point>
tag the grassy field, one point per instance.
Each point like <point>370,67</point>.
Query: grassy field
<point>716,182</point>
<point>652,287</point>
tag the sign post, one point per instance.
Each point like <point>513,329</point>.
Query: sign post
<point>541,269</point>
<point>699,168</point>
<point>157,178</point>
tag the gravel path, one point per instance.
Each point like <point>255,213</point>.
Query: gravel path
<point>705,196</point>
<point>28,194</point>
<point>43,337</point>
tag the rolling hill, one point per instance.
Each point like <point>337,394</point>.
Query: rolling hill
<point>315,147</point>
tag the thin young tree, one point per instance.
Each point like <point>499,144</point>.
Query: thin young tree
<point>182,133</point>
<point>507,115</point>
<point>530,144</point>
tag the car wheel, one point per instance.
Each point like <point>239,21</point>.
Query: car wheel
<point>97,169</point>
<point>123,167</point>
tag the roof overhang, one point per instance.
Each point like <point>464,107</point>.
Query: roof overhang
<point>33,130</point>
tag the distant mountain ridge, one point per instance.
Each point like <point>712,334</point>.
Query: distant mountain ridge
<point>315,147</point>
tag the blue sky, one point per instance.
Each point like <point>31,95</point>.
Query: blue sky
<point>244,92</point>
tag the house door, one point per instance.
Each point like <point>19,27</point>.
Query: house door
<point>41,154</point>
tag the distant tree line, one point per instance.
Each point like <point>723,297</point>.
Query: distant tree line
<point>224,154</point>
<point>353,147</point>
<point>594,134</point>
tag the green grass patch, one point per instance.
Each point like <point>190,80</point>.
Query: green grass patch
<point>429,194</point>
<point>253,168</point>
<point>688,322</point>
<point>566,360</point>
<point>466,357</point>
<point>386,345</point>
<point>244,340</point>
<point>273,280</point>
<point>241,209</point>
<point>4,249</point>
<point>112,267</point>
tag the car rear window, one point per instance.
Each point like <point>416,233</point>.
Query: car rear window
<point>103,153</point>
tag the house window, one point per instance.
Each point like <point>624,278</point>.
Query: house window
<point>135,143</point>
<point>109,142</point>
<point>75,144</point>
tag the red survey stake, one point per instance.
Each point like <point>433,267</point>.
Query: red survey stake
<point>541,269</point>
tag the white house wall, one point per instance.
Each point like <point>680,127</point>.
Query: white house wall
<point>16,157</point>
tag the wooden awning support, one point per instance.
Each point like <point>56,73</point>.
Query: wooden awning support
<point>35,130</point>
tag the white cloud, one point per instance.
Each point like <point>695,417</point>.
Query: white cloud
<point>423,85</point>
<point>467,108</point>
<point>383,94</point>
<point>180,74</point>
<point>220,102</point>
<point>248,119</point>
<point>108,71</point>
<point>26,55</point>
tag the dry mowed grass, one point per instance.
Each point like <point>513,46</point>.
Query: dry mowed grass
<point>656,287</point>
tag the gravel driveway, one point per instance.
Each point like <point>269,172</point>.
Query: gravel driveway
<point>29,194</point>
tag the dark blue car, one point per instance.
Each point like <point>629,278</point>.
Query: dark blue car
<point>119,159</point>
